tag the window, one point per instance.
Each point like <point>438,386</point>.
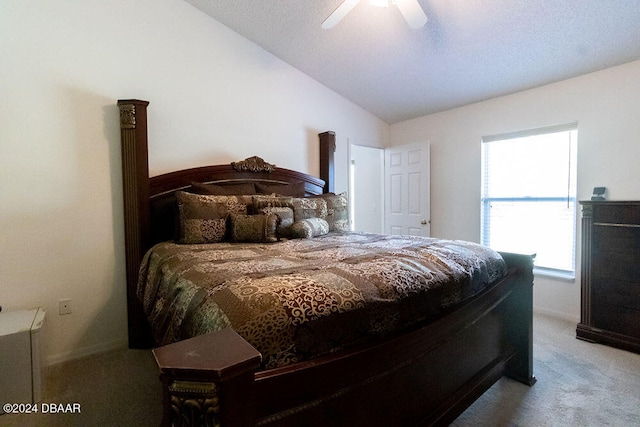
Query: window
<point>529,195</point>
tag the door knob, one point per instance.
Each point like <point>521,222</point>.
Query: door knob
<point>424,222</point>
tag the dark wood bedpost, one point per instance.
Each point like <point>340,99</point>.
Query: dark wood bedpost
<point>208,380</point>
<point>135,182</point>
<point>520,326</point>
<point>327,148</point>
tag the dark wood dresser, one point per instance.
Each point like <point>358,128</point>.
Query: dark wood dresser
<point>610,277</point>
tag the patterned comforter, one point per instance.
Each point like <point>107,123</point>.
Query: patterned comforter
<point>301,298</point>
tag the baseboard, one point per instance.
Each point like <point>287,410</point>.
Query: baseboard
<point>556,314</point>
<point>85,351</point>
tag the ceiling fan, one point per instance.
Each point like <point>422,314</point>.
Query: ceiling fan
<point>410,9</point>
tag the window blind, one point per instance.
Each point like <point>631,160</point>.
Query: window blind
<point>529,194</point>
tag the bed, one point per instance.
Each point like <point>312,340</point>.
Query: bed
<point>412,355</point>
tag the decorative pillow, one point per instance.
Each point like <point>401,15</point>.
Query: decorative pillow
<point>203,218</point>
<point>304,208</point>
<point>285,216</point>
<point>309,228</point>
<point>223,189</point>
<point>260,201</point>
<point>337,211</point>
<point>253,228</point>
<point>295,189</point>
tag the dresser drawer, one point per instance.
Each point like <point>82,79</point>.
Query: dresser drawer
<point>616,213</point>
<point>616,319</point>
<point>619,239</point>
<point>615,292</point>
<point>619,265</point>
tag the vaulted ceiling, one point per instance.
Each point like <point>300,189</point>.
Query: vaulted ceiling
<point>469,50</point>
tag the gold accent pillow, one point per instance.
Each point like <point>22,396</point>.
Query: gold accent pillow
<point>337,211</point>
<point>311,207</point>
<point>285,216</point>
<point>253,228</point>
<point>309,228</point>
<point>261,201</point>
<point>203,218</point>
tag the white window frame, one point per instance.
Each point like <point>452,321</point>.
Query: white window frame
<point>570,197</point>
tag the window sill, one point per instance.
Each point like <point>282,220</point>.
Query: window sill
<point>556,275</point>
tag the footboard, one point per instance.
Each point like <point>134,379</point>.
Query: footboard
<point>425,377</point>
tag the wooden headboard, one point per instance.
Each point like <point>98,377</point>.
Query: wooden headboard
<point>149,201</point>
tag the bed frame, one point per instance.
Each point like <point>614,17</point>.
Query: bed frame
<point>423,377</point>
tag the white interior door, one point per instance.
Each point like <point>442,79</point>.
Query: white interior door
<point>366,188</point>
<point>407,190</point>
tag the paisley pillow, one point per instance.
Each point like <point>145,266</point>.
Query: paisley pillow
<point>308,207</point>
<point>203,218</point>
<point>309,228</point>
<point>285,216</point>
<point>337,211</point>
<point>261,201</point>
<point>253,228</point>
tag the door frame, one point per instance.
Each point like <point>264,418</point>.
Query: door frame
<point>380,184</point>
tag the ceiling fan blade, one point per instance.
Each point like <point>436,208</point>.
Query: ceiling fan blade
<point>340,12</point>
<point>412,12</point>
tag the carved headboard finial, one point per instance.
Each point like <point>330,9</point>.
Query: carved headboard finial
<point>253,164</point>
<point>128,116</point>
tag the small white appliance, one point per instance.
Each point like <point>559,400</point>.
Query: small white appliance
<point>20,356</point>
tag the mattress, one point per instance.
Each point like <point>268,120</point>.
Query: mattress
<point>302,298</point>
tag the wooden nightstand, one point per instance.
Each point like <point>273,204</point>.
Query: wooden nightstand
<point>196,376</point>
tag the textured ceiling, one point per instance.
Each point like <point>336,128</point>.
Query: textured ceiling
<point>469,50</point>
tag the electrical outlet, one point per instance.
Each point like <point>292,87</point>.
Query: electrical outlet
<point>65,306</point>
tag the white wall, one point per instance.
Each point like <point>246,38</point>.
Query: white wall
<point>215,98</point>
<point>607,108</point>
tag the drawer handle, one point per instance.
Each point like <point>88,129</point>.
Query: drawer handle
<point>608,224</point>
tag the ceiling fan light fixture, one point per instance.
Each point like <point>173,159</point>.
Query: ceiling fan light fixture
<point>410,10</point>
<point>339,13</point>
<point>379,3</point>
<point>412,13</point>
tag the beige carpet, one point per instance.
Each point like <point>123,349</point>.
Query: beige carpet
<point>579,384</point>
<point>118,388</point>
